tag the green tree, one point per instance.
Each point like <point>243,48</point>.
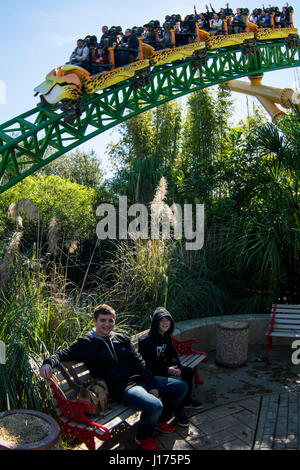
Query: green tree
<point>204,144</point>
<point>79,167</point>
<point>233,167</point>
<point>73,205</point>
<point>261,239</point>
<point>147,150</point>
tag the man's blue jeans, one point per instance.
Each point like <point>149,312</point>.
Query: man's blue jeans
<point>153,410</point>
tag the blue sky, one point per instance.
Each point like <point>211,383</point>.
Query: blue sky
<point>38,36</point>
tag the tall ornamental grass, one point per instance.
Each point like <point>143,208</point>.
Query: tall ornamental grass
<point>40,311</point>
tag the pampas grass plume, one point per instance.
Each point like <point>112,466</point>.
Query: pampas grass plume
<point>11,252</point>
<point>52,236</point>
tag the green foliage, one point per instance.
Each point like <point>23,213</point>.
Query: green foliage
<point>204,144</point>
<point>261,238</point>
<point>72,204</point>
<point>79,167</point>
<point>147,150</point>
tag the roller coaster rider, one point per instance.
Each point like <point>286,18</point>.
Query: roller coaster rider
<point>151,33</point>
<point>116,49</point>
<point>128,49</point>
<point>81,55</point>
<point>238,22</point>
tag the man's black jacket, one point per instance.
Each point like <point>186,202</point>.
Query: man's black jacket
<point>119,372</point>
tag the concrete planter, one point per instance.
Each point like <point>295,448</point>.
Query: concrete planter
<point>28,430</point>
<point>232,343</point>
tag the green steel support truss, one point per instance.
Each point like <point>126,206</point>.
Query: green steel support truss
<point>25,139</point>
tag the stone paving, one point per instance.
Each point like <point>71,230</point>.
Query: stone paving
<point>228,427</point>
<point>278,422</point>
<point>269,422</point>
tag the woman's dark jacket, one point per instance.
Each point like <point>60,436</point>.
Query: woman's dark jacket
<point>132,43</point>
<point>119,365</point>
<point>158,351</point>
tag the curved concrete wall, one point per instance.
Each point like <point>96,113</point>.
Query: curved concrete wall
<point>205,330</point>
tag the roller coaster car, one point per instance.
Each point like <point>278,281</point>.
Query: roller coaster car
<point>248,38</point>
<point>218,42</point>
<point>69,81</point>
<point>277,33</point>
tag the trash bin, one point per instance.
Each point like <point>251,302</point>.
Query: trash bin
<point>232,343</point>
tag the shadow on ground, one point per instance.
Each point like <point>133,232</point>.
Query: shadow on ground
<point>223,385</point>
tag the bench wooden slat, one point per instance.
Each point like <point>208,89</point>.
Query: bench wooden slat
<point>290,324</point>
<point>79,371</point>
<point>288,312</point>
<point>293,309</point>
<point>197,360</point>
<point>187,362</point>
<point>286,316</point>
<point>112,412</point>
<point>286,307</point>
<point>287,333</point>
<point>286,327</point>
<point>197,357</point>
<point>112,421</point>
<point>192,360</point>
<point>64,386</point>
<point>184,357</point>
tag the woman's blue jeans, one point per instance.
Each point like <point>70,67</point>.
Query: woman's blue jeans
<point>153,410</point>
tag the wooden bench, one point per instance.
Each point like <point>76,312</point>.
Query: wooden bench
<point>284,322</point>
<point>71,413</point>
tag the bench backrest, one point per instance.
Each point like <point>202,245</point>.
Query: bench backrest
<point>287,317</point>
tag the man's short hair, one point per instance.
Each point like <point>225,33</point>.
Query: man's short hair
<point>104,310</point>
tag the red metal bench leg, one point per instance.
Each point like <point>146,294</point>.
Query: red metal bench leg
<point>269,346</point>
<point>84,435</point>
<point>89,442</point>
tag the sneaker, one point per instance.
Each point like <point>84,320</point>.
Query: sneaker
<point>196,405</point>
<point>165,428</point>
<point>147,444</point>
<point>182,420</point>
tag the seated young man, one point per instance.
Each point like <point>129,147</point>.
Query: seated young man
<point>111,356</point>
<point>160,355</point>
<point>80,56</point>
